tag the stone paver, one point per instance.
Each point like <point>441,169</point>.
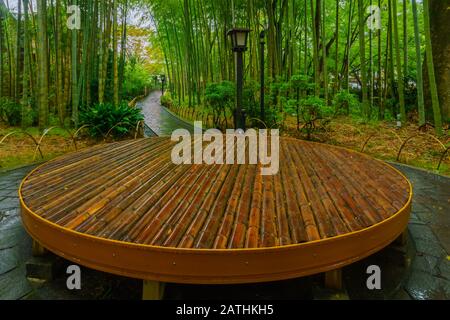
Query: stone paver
<point>160,120</point>
<point>430,232</point>
<point>15,244</point>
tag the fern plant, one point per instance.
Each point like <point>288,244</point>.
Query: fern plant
<point>101,118</point>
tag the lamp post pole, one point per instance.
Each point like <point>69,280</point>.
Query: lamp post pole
<point>239,38</point>
<point>262,37</point>
<point>239,89</point>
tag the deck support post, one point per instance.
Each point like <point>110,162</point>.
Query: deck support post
<point>401,245</point>
<point>152,290</point>
<point>38,250</point>
<point>333,279</point>
<point>402,240</point>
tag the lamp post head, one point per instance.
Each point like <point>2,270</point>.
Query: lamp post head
<point>239,38</point>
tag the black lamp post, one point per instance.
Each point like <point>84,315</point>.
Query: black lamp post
<point>163,82</point>
<point>239,37</point>
<point>262,42</point>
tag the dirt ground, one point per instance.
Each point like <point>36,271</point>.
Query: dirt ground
<point>383,140</point>
<point>19,149</point>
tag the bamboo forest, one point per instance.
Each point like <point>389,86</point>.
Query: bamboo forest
<point>106,111</point>
<point>329,70</point>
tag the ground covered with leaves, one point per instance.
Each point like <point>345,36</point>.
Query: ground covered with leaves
<point>419,147</point>
<point>19,147</point>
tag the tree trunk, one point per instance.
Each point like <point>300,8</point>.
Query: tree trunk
<point>405,38</point>
<point>1,51</point>
<point>324,54</point>
<point>115,65</point>
<point>75,96</point>
<point>400,80</point>
<point>362,56</point>
<point>43,62</point>
<point>420,99</point>
<point>336,57</point>
<point>440,25</point>
<point>26,109</point>
<point>315,50</point>
<point>348,45</point>
<point>123,45</point>
<point>59,65</point>
<point>19,52</point>
<point>380,73</point>
<point>431,70</point>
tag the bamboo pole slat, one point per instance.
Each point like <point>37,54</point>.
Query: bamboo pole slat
<point>132,192</point>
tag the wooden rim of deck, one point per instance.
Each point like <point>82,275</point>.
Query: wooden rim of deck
<point>216,266</point>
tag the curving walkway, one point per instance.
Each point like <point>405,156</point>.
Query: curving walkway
<point>430,231</point>
<point>15,244</point>
<point>159,120</point>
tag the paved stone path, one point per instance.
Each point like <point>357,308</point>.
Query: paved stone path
<point>430,231</point>
<point>15,244</point>
<point>158,119</point>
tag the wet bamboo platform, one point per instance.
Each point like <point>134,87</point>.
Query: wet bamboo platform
<point>125,208</point>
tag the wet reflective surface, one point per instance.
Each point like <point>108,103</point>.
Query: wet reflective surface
<point>419,271</point>
<point>159,120</point>
<point>15,244</point>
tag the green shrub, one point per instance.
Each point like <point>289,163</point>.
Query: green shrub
<point>103,117</point>
<point>167,101</point>
<point>346,103</point>
<point>219,97</point>
<point>302,82</point>
<point>273,116</point>
<point>292,107</point>
<point>313,108</point>
<point>10,112</point>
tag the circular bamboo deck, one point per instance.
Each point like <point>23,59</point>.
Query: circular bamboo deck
<point>125,208</point>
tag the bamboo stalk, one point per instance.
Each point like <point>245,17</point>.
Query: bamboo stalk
<point>302,202</point>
